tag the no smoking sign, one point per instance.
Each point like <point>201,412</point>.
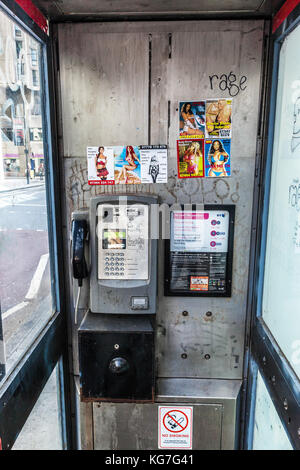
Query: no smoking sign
<point>175,426</point>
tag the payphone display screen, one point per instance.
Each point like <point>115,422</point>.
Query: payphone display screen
<point>198,253</point>
<point>114,239</point>
<point>123,241</point>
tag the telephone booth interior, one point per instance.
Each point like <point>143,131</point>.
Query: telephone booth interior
<point>167,298</point>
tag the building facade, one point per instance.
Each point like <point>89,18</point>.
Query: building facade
<point>20,103</point>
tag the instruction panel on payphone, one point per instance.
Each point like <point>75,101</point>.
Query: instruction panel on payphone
<point>123,241</point>
<point>199,254</point>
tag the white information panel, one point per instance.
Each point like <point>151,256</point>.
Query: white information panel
<point>198,262</point>
<point>123,242</point>
<point>199,231</point>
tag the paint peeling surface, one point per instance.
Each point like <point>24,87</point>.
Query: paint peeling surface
<point>138,102</point>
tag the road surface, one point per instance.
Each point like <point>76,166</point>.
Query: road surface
<point>25,275</point>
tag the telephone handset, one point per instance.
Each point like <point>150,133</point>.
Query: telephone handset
<point>79,234</point>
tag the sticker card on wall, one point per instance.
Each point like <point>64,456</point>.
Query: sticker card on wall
<point>154,163</point>
<point>217,158</point>
<point>192,119</point>
<point>218,118</point>
<point>127,165</point>
<point>175,427</point>
<point>100,165</point>
<point>190,158</point>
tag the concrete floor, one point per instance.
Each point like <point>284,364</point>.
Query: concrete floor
<point>42,430</point>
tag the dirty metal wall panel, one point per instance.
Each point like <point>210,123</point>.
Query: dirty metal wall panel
<point>209,391</point>
<point>195,56</point>
<point>183,56</point>
<point>145,27</point>
<point>184,72</point>
<point>221,335</point>
<point>104,79</point>
<point>159,109</point>
<point>126,426</point>
<point>74,9</point>
<point>86,425</point>
<point>98,7</point>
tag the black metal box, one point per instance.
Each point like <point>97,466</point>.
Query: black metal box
<point>116,358</point>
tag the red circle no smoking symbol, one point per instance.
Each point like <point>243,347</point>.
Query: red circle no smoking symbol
<point>175,421</point>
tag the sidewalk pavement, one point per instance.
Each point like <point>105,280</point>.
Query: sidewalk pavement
<point>10,184</point>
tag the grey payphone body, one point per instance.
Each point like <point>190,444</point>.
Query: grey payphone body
<point>115,338</point>
<point>123,275</point>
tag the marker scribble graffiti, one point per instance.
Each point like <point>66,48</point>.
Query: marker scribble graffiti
<point>228,83</point>
<point>296,126</point>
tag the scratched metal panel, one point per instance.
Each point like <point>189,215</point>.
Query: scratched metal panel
<point>94,7</point>
<point>213,345</point>
<point>104,88</point>
<point>127,426</point>
<point>70,9</point>
<point>183,56</point>
<point>196,56</point>
<point>221,335</point>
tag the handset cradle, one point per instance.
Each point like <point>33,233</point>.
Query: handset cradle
<point>79,234</point>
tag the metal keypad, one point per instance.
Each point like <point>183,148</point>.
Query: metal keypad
<point>114,264</point>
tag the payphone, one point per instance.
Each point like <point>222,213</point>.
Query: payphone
<point>116,337</point>
<point>123,279</point>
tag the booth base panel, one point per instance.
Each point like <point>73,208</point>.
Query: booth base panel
<point>136,426</point>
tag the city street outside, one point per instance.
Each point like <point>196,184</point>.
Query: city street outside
<point>25,275</point>
<point>25,279</point>
<point>25,295</point>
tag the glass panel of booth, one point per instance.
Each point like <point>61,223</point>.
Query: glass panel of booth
<point>25,281</point>
<point>281,293</point>
<point>42,430</point>
<point>269,433</point>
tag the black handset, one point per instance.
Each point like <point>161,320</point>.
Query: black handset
<point>79,234</point>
